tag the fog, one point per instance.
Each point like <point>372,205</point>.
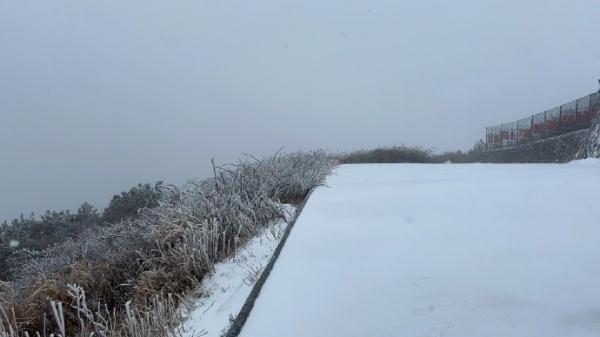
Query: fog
<point>96,96</point>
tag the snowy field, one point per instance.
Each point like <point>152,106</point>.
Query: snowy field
<point>441,250</point>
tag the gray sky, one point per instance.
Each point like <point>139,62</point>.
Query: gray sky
<point>96,96</point>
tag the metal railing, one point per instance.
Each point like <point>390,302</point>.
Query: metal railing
<point>574,115</point>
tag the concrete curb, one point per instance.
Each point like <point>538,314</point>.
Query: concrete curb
<point>242,316</point>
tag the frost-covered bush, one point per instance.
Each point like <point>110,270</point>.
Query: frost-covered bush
<point>394,154</point>
<point>410,154</point>
<point>32,233</point>
<point>165,250</point>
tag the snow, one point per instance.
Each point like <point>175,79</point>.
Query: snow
<point>587,161</point>
<point>441,250</point>
<point>226,290</point>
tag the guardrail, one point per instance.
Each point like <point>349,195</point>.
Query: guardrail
<point>574,115</point>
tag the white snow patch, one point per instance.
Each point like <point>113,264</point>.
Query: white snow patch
<point>459,250</point>
<point>586,162</point>
<point>226,290</point>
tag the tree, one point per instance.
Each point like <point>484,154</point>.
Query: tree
<point>477,148</point>
<point>87,215</point>
<point>126,205</point>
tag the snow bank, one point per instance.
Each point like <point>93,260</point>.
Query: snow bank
<point>440,250</point>
<point>226,290</point>
<point>587,162</point>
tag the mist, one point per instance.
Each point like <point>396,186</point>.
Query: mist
<point>98,96</point>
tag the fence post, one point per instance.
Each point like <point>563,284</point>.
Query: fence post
<point>531,129</point>
<point>576,108</point>
<point>487,139</point>
<point>545,125</point>
<point>560,118</point>
<point>589,111</point>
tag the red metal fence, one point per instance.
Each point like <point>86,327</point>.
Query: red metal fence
<point>575,115</point>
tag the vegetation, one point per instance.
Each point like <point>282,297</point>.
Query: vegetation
<point>409,154</point>
<point>31,234</point>
<point>126,205</point>
<point>22,235</point>
<point>129,277</point>
<point>395,154</point>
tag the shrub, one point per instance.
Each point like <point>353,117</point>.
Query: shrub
<point>410,154</point>
<point>395,154</point>
<point>31,234</point>
<point>54,227</point>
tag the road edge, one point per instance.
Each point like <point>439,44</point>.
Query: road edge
<point>238,323</point>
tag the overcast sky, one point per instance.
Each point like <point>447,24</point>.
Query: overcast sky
<point>96,96</point>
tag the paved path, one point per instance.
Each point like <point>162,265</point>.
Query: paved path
<point>441,250</point>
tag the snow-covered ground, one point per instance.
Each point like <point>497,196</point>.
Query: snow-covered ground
<point>441,250</point>
<point>226,290</point>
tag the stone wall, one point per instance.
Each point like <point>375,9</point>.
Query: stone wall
<point>591,147</point>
